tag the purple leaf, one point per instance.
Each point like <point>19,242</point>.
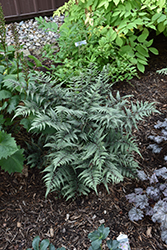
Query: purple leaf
<point>149,211</point>
<point>131,197</point>
<point>165,192</point>
<point>163,186</point>
<point>138,190</point>
<point>141,175</point>
<point>153,193</point>
<point>160,171</point>
<point>142,201</point>
<point>153,179</point>
<point>135,214</point>
<point>164,236</point>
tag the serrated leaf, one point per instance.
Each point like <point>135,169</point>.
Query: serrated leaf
<point>154,50</point>
<point>135,214</point>
<point>8,145</point>
<point>14,163</point>
<point>5,94</point>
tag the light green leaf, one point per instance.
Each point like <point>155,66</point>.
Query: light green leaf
<point>161,19</point>
<point>140,67</point>
<point>143,36</point>
<point>116,2</point>
<point>154,50</point>
<point>119,41</point>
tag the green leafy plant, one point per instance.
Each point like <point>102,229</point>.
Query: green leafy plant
<point>11,156</point>
<point>87,129</point>
<point>100,234</point>
<point>43,245</point>
<point>96,238</point>
<point>116,33</point>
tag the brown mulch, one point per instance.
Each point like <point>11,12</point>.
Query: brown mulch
<point>25,213</point>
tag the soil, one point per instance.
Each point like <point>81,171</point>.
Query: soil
<point>25,213</point>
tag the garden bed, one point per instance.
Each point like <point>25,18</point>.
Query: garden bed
<point>25,213</point>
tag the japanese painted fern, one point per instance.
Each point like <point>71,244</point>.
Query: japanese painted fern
<point>88,132</point>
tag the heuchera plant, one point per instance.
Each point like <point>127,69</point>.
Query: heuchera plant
<point>159,138</point>
<point>152,201</point>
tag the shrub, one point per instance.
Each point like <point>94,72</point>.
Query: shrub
<point>152,201</point>
<point>87,129</point>
<point>115,32</point>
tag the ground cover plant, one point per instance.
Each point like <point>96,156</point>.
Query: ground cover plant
<point>152,201</point>
<point>96,238</point>
<point>117,33</point>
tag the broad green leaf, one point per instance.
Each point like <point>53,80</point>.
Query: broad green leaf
<point>161,18</point>
<point>142,50</point>
<point>119,41</point>
<point>44,244</point>
<point>156,16</point>
<point>143,36</point>
<point>154,50</point>
<point>52,247</point>
<point>161,27</point>
<point>96,244</point>
<point>5,94</point>
<point>8,145</point>
<point>35,243</point>
<point>14,163</point>
<point>113,244</point>
<point>140,67</point>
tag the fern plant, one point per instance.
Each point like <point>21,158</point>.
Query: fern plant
<point>87,130</point>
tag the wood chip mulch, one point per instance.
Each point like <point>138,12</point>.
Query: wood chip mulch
<point>25,213</point>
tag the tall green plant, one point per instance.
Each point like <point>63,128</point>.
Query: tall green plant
<point>117,32</point>
<point>88,131</point>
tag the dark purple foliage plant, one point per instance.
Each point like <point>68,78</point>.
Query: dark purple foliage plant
<point>152,201</point>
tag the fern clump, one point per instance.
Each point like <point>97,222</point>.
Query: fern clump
<point>87,130</point>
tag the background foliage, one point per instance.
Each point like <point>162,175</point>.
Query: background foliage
<point>117,32</point>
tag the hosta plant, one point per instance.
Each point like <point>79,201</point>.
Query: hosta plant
<point>152,201</point>
<point>87,131</point>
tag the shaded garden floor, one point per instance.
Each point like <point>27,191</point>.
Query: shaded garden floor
<point>25,213</point>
